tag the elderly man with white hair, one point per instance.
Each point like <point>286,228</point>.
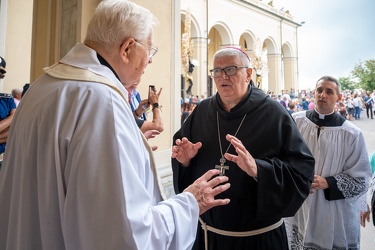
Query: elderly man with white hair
<point>78,173</point>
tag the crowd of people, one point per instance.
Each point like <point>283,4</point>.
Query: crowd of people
<point>87,177</point>
<point>350,105</point>
<point>188,104</point>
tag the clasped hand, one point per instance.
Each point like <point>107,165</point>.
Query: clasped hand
<point>318,183</point>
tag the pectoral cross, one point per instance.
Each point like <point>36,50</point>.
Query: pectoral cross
<point>221,167</point>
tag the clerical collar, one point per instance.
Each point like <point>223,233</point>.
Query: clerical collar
<point>105,63</point>
<point>328,120</point>
<point>323,116</point>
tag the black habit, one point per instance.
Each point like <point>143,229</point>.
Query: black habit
<point>285,169</point>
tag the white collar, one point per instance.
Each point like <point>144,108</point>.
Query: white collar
<point>321,116</point>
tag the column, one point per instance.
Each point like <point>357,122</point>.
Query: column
<point>290,73</point>
<point>275,75</point>
<point>200,72</point>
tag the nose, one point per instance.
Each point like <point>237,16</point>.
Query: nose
<point>150,60</point>
<point>224,75</point>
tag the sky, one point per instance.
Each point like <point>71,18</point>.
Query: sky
<point>336,35</point>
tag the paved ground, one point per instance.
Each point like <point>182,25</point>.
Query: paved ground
<point>368,128</point>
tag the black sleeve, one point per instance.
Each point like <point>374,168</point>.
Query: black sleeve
<point>332,192</point>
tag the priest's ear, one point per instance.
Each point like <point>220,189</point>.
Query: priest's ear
<point>249,72</point>
<point>339,97</point>
<point>126,48</point>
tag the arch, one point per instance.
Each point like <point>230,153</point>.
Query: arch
<point>287,50</point>
<point>270,43</point>
<point>246,41</point>
<point>219,36</point>
<point>195,30</point>
<point>225,34</point>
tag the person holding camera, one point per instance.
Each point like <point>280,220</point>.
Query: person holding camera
<point>139,108</point>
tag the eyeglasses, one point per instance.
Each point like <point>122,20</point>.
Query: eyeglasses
<point>152,50</point>
<point>229,71</point>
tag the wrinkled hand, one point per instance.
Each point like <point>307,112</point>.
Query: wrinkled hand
<point>184,151</point>
<point>151,133</point>
<point>205,189</point>
<point>243,158</point>
<point>365,216</point>
<point>153,96</point>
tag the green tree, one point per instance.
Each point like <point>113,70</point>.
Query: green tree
<point>347,83</point>
<point>364,74</point>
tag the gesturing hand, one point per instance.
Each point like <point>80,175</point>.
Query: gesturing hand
<point>244,159</point>
<point>184,150</point>
<point>205,189</point>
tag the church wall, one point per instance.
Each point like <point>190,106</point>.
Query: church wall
<point>165,72</point>
<point>17,43</point>
<point>86,10</point>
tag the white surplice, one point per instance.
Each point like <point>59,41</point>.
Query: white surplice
<point>339,152</point>
<point>77,174</point>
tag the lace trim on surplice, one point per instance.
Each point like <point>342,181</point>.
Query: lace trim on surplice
<point>350,186</point>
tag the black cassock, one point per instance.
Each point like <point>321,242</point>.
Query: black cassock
<point>285,169</point>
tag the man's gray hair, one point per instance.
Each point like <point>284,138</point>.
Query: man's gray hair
<point>116,20</point>
<point>233,52</point>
